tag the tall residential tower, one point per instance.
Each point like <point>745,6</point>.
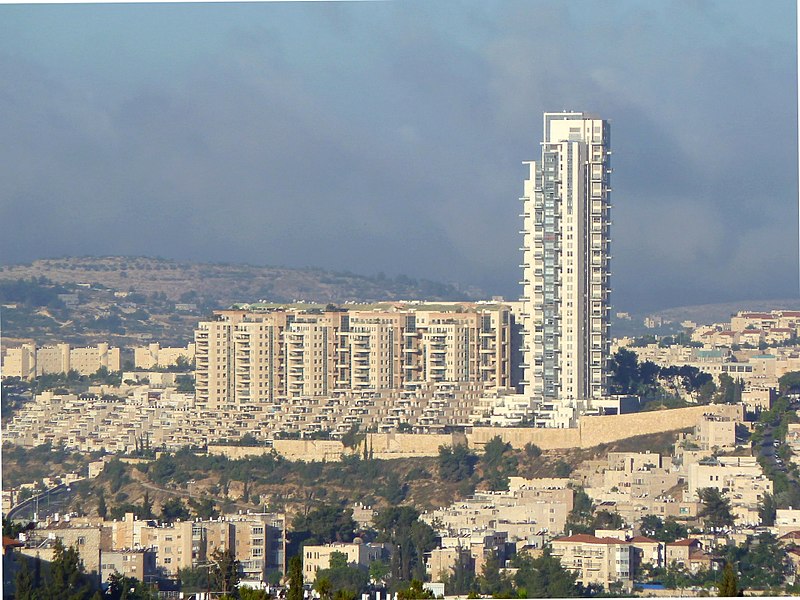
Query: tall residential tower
<point>566,268</point>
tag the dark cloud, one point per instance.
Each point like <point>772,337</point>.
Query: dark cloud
<point>389,137</point>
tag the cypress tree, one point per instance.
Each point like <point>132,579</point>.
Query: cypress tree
<point>728,586</point>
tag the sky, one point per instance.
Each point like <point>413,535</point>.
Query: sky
<point>389,136</point>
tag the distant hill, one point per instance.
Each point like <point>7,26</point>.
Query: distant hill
<point>130,301</point>
<point>717,313</point>
<point>224,284</point>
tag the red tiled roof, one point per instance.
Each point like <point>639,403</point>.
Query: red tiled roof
<point>643,540</point>
<point>11,543</point>
<point>585,538</point>
<point>686,542</point>
<point>790,313</point>
<point>757,315</point>
<point>792,535</point>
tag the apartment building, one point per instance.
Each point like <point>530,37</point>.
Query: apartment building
<point>261,360</point>
<point>62,358</point>
<point>601,560</point>
<point>566,268</point>
<point>172,545</point>
<point>139,564</point>
<point>153,355</point>
<point>530,507</point>
<point>739,477</point>
<point>357,553</point>
<point>20,362</point>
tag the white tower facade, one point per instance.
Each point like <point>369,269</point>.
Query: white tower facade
<point>566,268</point>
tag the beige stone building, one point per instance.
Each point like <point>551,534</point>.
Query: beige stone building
<point>358,554</point>
<point>716,432</point>
<point>153,355</point>
<point>602,560</point>
<point>139,564</point>
<point>262,360</point>
<point>172,545</point>
<point>740,477</point>
<point>20,362</point>
<point>86,361</point>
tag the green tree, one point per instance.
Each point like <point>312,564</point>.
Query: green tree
<point>325,524</point>
<point>295,579</point>
<point>194,579</point>
<point>498,463</point>
<point>664,531</point>
<point>378,570</point>
<point>24,584</point>
<point>127,588</point>
<point>342,577</point>
<point>414,591</point>
<point>461,579</point>
<point>412,538</point>
<point>716,511</point>
<point>789,383</point>
<point>146,511</point>
<point>491,581</point>
<point>67,577</point>
<point>728,585</point>
<point>225,570</point>
<point>544,577</point>
<point>456,463</point>
<point>767,510</point>
<point>102,509</point>
<point>174,510</point>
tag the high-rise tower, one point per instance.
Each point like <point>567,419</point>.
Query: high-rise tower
<point>566,268</point>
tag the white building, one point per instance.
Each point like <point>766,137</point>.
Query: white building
<point>566,268</point>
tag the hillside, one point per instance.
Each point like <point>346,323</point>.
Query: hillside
<point>132,300</point>
<point>718,313</point>
<point>225,284</point>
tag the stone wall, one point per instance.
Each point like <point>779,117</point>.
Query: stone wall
<point>546,439</point>
<point>603,430</point>
<point>592,431</point>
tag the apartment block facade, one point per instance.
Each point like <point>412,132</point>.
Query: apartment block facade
<point>566,268</point>
<point>263,359</point>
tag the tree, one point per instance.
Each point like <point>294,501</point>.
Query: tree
<point>67,578</point>
<point>456,463</point>
<point>728,585</point>
<point>341,577</point>
<point>194,580</point>
<point>378,570</point>
<point>716,511</point>
<point>491,581</point>
<point>325,524</point>
<point>147,507</point>
<point>414,591</point>
<point>127,588</point>
<point>789,383</point>
<point>664,531</point>
<point>295,579</point>
<point>544,577</point>
<point>412,538</point>
<point>24,584</point>
<point>532,450</point>
<point>767,510</point>
<point>498,464</point>
<point>174,510</point>
<point>102,509</point>
<point>225,572</point>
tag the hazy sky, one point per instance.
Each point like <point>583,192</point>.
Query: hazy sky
<point>389,136</point>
